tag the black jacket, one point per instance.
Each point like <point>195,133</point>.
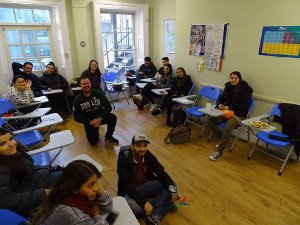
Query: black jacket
<point>155,171</point>
<point>236,98</point>
<point>54,81</point>
<point>181,91</point>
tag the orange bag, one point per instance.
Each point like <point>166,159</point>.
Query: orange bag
<point>227,113</point>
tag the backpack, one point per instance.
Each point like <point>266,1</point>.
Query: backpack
<point>179,117</point>
<point>178,135</point>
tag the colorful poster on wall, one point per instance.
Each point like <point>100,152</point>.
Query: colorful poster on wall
<point>208,41</point>
<point>282,41</point>
<point>170,36</point>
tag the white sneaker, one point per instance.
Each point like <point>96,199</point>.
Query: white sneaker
<point>138,97</point>
<point>215,156</point>
<point>153,107</point>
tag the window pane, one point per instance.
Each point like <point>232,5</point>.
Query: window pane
<point>30,51</point>
<point>36,64</point>
<point>41,16</point>
<point>12,37</point>
<point>7,15</point>
<point>28,36</point>
<point>15,51</point>
<point>42,36</point>
<point>45,50</point>
<point>45,62</point>
<point>24,15</point>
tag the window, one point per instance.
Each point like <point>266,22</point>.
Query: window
<point>26,42</point>
<point>118,42</point>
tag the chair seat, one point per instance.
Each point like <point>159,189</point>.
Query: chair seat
<point>8,217</point>
<point>264,136</point>
<point>194,111</point>
<point>41,159</point>
<point>29,138</point>
<point>222,125</point>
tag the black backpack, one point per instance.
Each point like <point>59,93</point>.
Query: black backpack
<point>179,117</point>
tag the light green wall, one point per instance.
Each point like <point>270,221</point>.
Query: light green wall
<point>272,78</point>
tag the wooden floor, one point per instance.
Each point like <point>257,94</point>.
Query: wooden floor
<point>231,190</point>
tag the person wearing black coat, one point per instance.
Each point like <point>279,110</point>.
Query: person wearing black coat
<point>235,97</point>
<point>180,86</point>
<point>53,80</point>
<point>23,186</point>
<point>142,177</point>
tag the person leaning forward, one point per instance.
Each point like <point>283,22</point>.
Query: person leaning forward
<point>144,183</point>
<point>92,109</point>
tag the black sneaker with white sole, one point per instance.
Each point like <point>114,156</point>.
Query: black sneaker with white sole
<point>111,140</point>
<point>215,156</point>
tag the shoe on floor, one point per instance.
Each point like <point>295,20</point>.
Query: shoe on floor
<point>215,156</point>
<point>137,96</point>
<point>169,123</point>
<point>152,220</point>
<point>153,107</point>
<point>111,140</point>
<point>156,112</point>
<point>139,104</point>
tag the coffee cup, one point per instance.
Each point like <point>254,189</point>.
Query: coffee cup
<point>208,106</point>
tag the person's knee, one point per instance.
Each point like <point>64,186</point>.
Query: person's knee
<point>113,117</point>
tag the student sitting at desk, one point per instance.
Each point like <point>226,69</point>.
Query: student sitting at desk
<point>76,198</point>
<point>53,80</point>
<point>236,97</point>
<point>94,75</point>
<point>146,70</point>
<point>163,81</point>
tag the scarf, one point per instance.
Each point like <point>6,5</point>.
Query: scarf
<point>80,202</point>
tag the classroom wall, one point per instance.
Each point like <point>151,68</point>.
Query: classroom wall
<point>272,78</point>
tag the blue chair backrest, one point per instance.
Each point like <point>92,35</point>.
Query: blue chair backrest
<point>2,122</point>
<point>5,106</point>
<point>8,217</point>
<point>109,77</point>
<point>275,111</point>
<point>192,88</point>
<point>209,92</point>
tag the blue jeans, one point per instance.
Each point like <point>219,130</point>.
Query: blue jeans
<point>160,199</point>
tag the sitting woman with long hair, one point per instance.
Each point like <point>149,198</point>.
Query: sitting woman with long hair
<point>76,198</point>
<point>23,186</point>
<point>235,97</point>
<point>164,80</point>
<point>94,74</point>
<point>180,86</point>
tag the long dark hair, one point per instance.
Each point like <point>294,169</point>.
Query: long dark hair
<point>15,163</point>
<point>97,70</point>
<point>170,67</point>
<point>15,78</point>
<point>72,178</point>
<point>182,69</point>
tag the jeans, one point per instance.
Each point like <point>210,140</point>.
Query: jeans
<point>160,199</point>
<point>223,133</point>
<point>92,133</point>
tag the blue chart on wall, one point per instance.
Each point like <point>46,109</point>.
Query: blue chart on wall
<point>282,41</point>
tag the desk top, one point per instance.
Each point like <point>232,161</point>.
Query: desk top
<point>76,88</point>
<point>119,82</point>
<point>54,91</point>
<point>258,118</point>
<point>132,77</point>
<point>141,85</point>
<point>126,216</point>
<point>160,91</point>
<point>148,80</point>
<point>212,111</point>
<point>37,101</point>
<point>184,100</point>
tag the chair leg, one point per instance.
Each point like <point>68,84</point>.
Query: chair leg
<point>210,135</point>
<point>203,127</point>
<point>285,161</point>
<point>254,147</point>
<point>57,154</point>
<point>125,97</point>
<point>236,138</point>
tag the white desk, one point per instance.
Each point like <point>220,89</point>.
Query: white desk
<point>37,101</point>
<point>76,88</point>
<point>185,100</point>
<point>86,158</point>
<point>132,77</point>
<point>258,118</point>
<point>54,91</point>
<point>126,216</point>
<point>119,82</point>
<point>34,114</point>
<point>212,111</point>
<point>141,85</point>
<point>148,80</point>
<point>160,91</point>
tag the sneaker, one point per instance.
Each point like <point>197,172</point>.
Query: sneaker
<point>152,220</point>
<point>156,112</point>
<point>215,156</point>
<point>137,96</point>
<point>111,140</point>
<point>153,107</point>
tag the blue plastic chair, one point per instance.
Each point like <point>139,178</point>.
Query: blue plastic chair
<point>208,92</point>
<point>240,128</point>
<point>264,137</point>
<point>108,78</point>
<point>29,139</point>
<point>8,217</point>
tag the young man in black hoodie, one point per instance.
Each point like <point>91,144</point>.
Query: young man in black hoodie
<point>235,97</point>
<point>92,109</point>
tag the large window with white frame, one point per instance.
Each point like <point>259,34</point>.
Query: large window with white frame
<point>27,32</point>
